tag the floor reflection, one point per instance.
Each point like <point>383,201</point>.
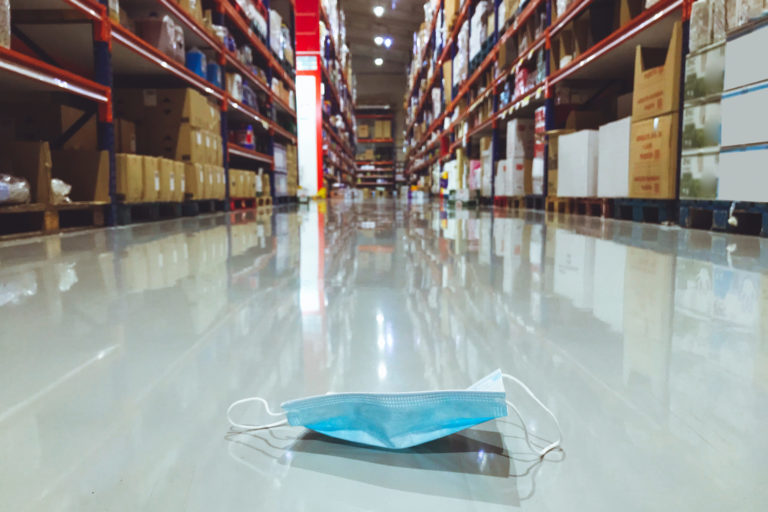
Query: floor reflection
<point>121,349</point>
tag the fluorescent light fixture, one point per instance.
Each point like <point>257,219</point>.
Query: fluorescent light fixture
<point>378,61</point>
<point>378,11</point>
<point>388,42</point>
<point>379,40</point>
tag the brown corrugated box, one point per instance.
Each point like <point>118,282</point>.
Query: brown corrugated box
<point>657,78</point>
<point>653,158</point>
<point>129,170</point>
<point>194,176</point>
<point>150,189</point>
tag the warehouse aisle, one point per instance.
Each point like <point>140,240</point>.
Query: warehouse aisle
<point>121,350</point>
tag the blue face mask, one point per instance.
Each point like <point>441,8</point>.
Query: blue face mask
<point>400,420</point>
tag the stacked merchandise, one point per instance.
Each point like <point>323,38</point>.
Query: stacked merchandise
<point>292,166</point>
<point>514,173</point>
<point>242,184</point>
<point>653,150</point>
<point>704,75</point>
<point>479,28</point>
<point>177,133</point>
<point>280,166</point>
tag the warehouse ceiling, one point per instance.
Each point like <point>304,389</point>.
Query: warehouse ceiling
<point>400,20</point>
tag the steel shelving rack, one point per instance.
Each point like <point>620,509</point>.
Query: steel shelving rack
<point>439,142</point>
<point>379,172</point>
<point>115,57</point>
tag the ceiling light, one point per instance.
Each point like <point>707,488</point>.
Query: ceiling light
<point>388,42</point>
<point>379,40</point>
<point>378,61</point>
<point>378,11</point>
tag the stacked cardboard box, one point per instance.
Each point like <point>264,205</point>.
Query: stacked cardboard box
<point>382,129</point>
<point>292,166</point>
<point>654,131</point>
<point>520,150</point>
<point>613,159</point>
<point>179,124</point>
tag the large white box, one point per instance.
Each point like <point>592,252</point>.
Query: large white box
<point>520,172</point>
<point>743,66</point>
<point>486,157</point>
<point>502,178</point>
<point>743,175</point>
<point>575,267</point>
<point>577,161</point>
<point>613,159</point>
<point>743,116</point>
<point>520,140</point>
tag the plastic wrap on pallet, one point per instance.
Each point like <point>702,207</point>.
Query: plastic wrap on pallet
<point>60,190</point>
<point>5,23</point>
<point>14,190</point>
<point>700,31</point>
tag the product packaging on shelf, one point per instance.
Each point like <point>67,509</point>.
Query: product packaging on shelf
<point>657,81</point>
<point>194,176</point>
<point>698,174</point>
<point>701,125</point>
<point>704,73</point>
<point>742,68</point>
<point>577,172</point>
<point>653,157</point>
<point>150,188</point>
<point>613,159</point>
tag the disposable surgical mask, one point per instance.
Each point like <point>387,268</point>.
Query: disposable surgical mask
<point>402,420</point>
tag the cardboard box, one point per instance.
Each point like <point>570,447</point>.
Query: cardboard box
<point>167,108</point>
<point>552,182</point>
<point>129,170</point>
<point>150,190</point>
<point>185,143</point>
<point>553,137</point>
<point>47,120</point>
<point>503,177</point>
<point>194,177</point>
<point>742,175</point>
<point>87,172</point>
<point>657,79</point>
<point>179,174</point>
<point>30,160</point>
<point>520,140</point>
<point>363,131</point>
<point>521,173</point>
<point>701,126</point>
<point>613,159</point>
<point>704,73</point>
<point>165,191</point>
<point>742,68</point>
<point>578,164</point>
<point>448,81</point>
<point>743,119</point>
<point>125,136</point>
<point>698,174</point>
<point>653,158</point>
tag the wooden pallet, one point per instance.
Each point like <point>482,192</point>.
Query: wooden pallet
<point>594,206</point>
<point>36,219</point>
<point>193,208</point>
<point>131,213</point>
<point>750,218</point>
<point>242,203</point>
<point>263,202</point>
<point>555,204</point>
<point>513,202</point>
<point>646,210</point>
<point>534,202</point>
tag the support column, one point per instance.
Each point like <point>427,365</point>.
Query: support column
<point>309,96</point>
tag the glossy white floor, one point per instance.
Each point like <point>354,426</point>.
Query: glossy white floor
<point>120,351</point>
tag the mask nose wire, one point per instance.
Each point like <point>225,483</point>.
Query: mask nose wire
<point>552,446</point>
<point>256,427</point>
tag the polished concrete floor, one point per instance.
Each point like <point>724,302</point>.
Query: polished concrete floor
<point>120,351</point>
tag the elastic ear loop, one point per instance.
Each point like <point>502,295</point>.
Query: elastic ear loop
<point>256,427</point>
<point>542,452</point>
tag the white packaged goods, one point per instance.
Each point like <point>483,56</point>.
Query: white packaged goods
<point>741,125</point>
<point>280,157</point>
<point>701,25</point>
<point>461,59</point>
<point>502,177</point>
<point>704,73</point>
<point>717,20</point>
<point>487,177</point>
<point>575,267</point>
<point>742,175</point>
<point>450,171</point>
<point>698,174</point>
<point>275,32</point>
<point>701,126</point>
<point>577,172</point>
<point>741,65</point>
<point>537,175</point>
<point>478,29</point>
<point>520,173</point>
<point>520,142</point>
<point>613,159</point>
